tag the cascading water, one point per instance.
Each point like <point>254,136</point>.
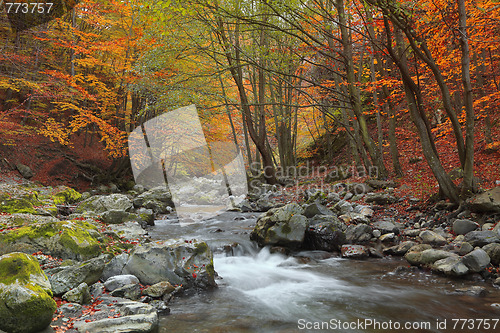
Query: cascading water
<point>264,292</point>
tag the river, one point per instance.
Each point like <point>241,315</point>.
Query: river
<point>263,292</point>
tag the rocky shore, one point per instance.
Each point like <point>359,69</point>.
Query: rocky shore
<point>83,262</point>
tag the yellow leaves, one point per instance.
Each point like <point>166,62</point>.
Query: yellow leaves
<point>55,131</point>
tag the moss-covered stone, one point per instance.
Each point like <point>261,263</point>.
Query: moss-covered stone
<point>26,303</point>
<point>16,205</point>
<point>66,195</point>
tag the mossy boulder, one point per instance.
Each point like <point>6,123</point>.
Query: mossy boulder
<point>26,303</point>
<point>65,195</point>
<point>102,203</point>
<point>186,262</point>
<point>284,226</point>
<point>78,240</point>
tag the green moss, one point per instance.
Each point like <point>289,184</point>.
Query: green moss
<point>31,232</point>
<point>210,268</point>
<point>66,196</point>
<point>201,248</point>
<point>80,241</point>
<point>286,229</point>
<point>19,267</point>
<point>12,206</point>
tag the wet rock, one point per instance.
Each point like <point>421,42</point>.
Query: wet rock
<point>430,237</point>
<point>355,251</point>
<point>380,198</point>
<point>493,251</point>
<point>247,206</point>
<point>72,276</point>
<point>129,291</point>
<point>481,238</point>
<point>430,256</point>
<point>160,306</point>
<point>116,216</point>
<point>25,171</point>
<point>414,254</point>
<point>477,260</point>
<point>386,226</point>
<point>360,233</point>
<point>80,294</point>
<point>451,266</point>
<point>284,226</point>
<point>186,262</point>
<point>159,289</point>
<point>462,227</point>
<point>488,201</point>
<point>159,199</point>
<point>26,303</point>
<point>399,250</point>
<point>326,236</point>
<point>375,253</point>
<point>497,282</point>
<point>316,209</point>
<point>102,203</point>
<point>119,281</point>
<point>476,291</point>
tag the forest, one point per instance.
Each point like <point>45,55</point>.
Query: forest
<point>397,97</point>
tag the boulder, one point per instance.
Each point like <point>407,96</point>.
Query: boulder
<point>354,218</point>
<point>325,235</point>
<point>343,207</point>
<point>462,227</point>
<point>114,266</point>
<point>355,251</point>
<point>475,291</point>
<point>451,266</point>
<point>116,216</point>
<point>414,254</point>
<point>284,226</point>
<point>380,198</point>
<point>493,251</point>
<point>63,195</point>
<point>430,237</point>
<point>26,303</point>
<point>316,209</point>
<point>69,277</point>
<point>159,199</point>
<point>186,262</point>
<point>400,249</point>
<point>430,256</point>
<point>356,234</point>
<point>129,291</point>
<point>386,226</point>
<point>80,294</point>
<point>102,203</point>
<point>488,201</point>
<point>159,289</point>
<point>25,171</point>
<point>119,281</point>
<point>477,260</point>
<point>481,238</point>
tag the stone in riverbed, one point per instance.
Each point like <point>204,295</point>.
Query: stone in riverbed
<point>462,227</point>
<point>327,235</point>
<point>129,291</point>
<point>26,304</point>
<point>452,266</point>
<point>102,203</point>
<point>493,251</point>
<point>80,294</point>
<point>399,250</point>
<point>380,198</point>
<point>386,226</point>
<point>114,266</point>
<point>159,289</point>
<point>477,260</point>
<point>119,281</point>
<point>316,209</point>
<point>355,251</point>
<point>476,291</point>
<point>360,233</point>
<point>430,237</point>
<point>481,238</point>
<point>430,256</point>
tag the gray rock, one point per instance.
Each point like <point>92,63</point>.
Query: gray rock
<point>385,226</point>
<point>80,294</point>
<point>355,251</point>
<point>72,276</point>
<point>376,233</point>
<point>129,291</point>
<point>26,303</point>
<point>159,289</point>
<point>316,209</point>
<point>399,250</point>
<point>159,199</point>
<point>493,251</point>
<point>115,216</point>
<point>360,233</point>
<point>414,254</point>
<point>343,207</point>
<point>186,262</point>
<point>138,188</point>
<point>146,215</point>
<point>465,248</point>
<point>364,210</point>
<point>119,281</point>
<point>477,260</point>
<point>380,198</point>
<point>430,256</point>
<point>97,289</point>
<point>488,201</point>
<point>326,236</point>
<point>333,197</point>
<point>430,237</point>
<point>70,309</point>
<point>497,282</point>
<point>354,218</point>
<point>411,232</point>
<point>451,266</point>
<point>131,231</point>
<point>462,227</point>
<point>476,291</point>
<point>264,204</point>
<point>481,238</point>
<point>102,203</point>
<point>25,171</point>
<point>114,266</point>
<point>160,306</point>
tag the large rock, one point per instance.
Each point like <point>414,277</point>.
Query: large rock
<point>25,171</point>
<point>316,209</point>
<point>102,203</point>
<point>355,251</point>
<point>380,198</point>
<point>26,303</point>
<point>284,226</point>
<point>359,188</point>
<point>481,238</point>
<point>114,266</point>
<point>159,199</point>
<point>462,227</point>
<point>326,234</point>
<point>400,249</point>
<point>430,237</point>
<point>66,278</point>
<point>119,281</point>
<point>386,226</point>
<point>477,260</point>
<point>452,266</point>
<point>488,201</point>
<point>159,289</point>
<point>78,240</point>
<point>116,216</point>
<point>189,263</point>
<point>80,294</point>
<point>493,251</point>
<point>360,233</point>
<point>414,254</point>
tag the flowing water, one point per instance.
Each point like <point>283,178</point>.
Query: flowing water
<point>263,292</point>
